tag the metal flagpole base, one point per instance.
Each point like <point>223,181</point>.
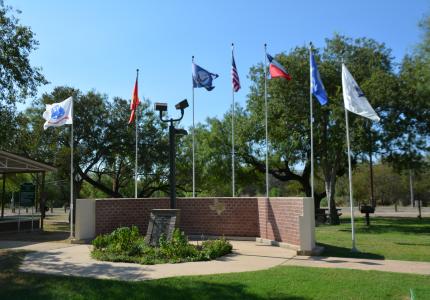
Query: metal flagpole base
<point>354,250</point>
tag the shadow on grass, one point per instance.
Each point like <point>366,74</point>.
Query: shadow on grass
<point>413,244</point>
<point>66,287</point>
<point>35,236</point>
<point>330,250</point>
<point>379,225</point>
<point>11,260</point>
<point>18,285</point>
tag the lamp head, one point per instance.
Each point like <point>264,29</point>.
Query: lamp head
<point>182,105</point>
<point>180,131</point>
<point>160,107</point>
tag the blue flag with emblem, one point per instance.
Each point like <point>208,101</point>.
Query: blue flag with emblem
<point>203,78</point>
<point>317,87</point>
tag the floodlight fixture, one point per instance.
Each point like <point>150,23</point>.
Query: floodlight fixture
<point>182,105</point>
<point>161,107</point>
<point>181,131</point>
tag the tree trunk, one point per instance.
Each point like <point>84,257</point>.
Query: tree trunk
<point>330,187</point>
<point>306,186</point>
<point>286,174</point>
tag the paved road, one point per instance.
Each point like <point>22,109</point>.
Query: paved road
<point>389,211</point>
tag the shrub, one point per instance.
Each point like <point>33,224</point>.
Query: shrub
<point>126,245</point>
<point>216,248</point>
<point>122,239</point>
<point>101,241</point>
<point>177,249</point>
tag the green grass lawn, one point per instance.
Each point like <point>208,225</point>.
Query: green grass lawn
<point>276,283</point>
<point>386,238</point>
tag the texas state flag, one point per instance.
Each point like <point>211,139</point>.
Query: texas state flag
<point>276,69</point>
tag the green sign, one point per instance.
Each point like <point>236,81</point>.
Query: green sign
<point>27,194</point>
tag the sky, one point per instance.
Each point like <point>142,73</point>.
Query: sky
<point>100,44</point>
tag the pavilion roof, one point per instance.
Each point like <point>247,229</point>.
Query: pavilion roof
<point>13,163</point>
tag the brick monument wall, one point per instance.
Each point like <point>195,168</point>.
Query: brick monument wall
<point>114,213</point>
<point>219,216</point>
<point>276,219</point>
<point>279,219</point>
<point>207,216</point>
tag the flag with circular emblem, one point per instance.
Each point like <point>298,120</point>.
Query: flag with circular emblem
<point>58,114</point>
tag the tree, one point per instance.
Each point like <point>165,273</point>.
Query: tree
<point>103,143</point>
<point>407,128</point>
<point>213,161</point>
<point>18,79</point>
<point>371,64</point>
<point>289,113</point>
<point>287,123</point>
<point>8,126</point>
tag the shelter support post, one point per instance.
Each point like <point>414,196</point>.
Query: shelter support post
<point>42,201</point>
<point>3,195</point>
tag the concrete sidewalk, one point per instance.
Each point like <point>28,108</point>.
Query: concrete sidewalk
<point>32,245</point>
<point>398,266</point>
<point>75,260</point>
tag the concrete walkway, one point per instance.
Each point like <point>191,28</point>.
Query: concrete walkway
<point>398,266</point>
<point>33,246</point>
<point>75,260</point>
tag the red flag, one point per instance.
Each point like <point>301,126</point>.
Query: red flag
<point>134,103</point>
<point>276,69</point>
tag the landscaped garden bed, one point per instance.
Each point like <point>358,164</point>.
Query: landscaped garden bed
<point>127,245</point>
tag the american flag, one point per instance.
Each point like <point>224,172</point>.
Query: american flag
<point>234,75</point>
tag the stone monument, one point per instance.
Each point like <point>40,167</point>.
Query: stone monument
<point>162,221</point>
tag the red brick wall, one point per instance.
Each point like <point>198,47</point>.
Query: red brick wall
<point>276,219</point>
<point>114,213</point>
<point>198,215</point>
<point>279,219</point>
<point>239,217</point>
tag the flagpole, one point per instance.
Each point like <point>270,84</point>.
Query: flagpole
<point>232,132</point>
<point>194,143</point>
<point>351,202</point>
<point>136,149</point>
<point>311,122</point>
<point>265,108</point>
<point>71,175</point>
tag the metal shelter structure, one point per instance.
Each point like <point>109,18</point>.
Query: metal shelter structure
<point>11,163</point>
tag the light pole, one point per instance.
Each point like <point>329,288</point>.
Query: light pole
<point>162,107</point>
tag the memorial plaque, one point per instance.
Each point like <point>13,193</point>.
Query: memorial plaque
<point>162,221</point>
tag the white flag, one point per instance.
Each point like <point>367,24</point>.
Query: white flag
<point>58,114</point>
<point>354,99</point>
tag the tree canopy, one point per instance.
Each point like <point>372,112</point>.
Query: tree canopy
<point>18,79</point>
<point>104,143</point>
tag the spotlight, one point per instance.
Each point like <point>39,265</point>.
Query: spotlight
<point>161,106</point>
<point>181,131</point>
<point>182,105</point>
